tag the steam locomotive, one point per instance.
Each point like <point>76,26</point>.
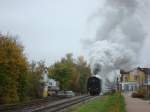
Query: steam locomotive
<point>94,85</point>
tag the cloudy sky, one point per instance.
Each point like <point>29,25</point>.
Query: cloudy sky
<point>47,28</point>
<point>51,28</point>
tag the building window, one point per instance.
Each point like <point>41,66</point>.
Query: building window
<point>136,78</point>
<point>126,79</point>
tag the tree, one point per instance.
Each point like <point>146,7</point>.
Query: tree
<point>36,71</point>
<point>72,74</point>
<point>13,70</point>
<point>84,71</point>
<point>62,73</point>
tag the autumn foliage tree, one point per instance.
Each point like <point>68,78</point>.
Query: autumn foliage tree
<point>20,80</point>
<point>72,74</point>
<point>13,70</point>
<point>84,70</point>
<point>36,70</point>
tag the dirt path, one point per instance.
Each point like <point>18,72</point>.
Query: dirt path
<point>136,105</point>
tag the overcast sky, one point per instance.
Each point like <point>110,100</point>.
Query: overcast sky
<point>51,28</point>
<point>47,28</point>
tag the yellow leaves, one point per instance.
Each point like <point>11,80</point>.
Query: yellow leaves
<point>13,66</point>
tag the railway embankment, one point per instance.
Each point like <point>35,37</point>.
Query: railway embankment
<point>107,103</point>
<point>46,105</point>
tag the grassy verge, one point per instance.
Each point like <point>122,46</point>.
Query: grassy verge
<point>109,103</point>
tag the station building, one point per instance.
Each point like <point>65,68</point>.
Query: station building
<point>138,78</point>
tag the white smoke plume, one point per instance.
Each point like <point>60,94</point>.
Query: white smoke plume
<point>119,38</point>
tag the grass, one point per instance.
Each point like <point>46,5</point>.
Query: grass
<point>109,103</point>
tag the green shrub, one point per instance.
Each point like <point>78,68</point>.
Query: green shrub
<point>139,94</point>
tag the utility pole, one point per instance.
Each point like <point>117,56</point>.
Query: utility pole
<point>117,84</point>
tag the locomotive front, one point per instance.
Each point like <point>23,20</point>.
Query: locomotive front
<point>94,85</point>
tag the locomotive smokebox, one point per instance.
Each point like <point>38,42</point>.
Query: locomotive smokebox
<point>94,85</point>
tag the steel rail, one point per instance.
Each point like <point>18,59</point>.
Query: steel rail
<point>61,105</point>
<point>45,105</point>
<point>28,106</point>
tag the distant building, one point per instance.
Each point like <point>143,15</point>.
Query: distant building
<point>135,79</point>
<point>146,80</point>
<point>49,86</point>
<point>53,86</point>
<point>128,80</point>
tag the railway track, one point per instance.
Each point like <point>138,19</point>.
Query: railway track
<point>61,105</point>
<point>53,104</point>
<point>28,106</point>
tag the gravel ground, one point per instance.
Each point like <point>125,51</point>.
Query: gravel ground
<point>136,105</point>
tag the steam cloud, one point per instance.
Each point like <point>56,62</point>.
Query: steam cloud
<point>119,38</point>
